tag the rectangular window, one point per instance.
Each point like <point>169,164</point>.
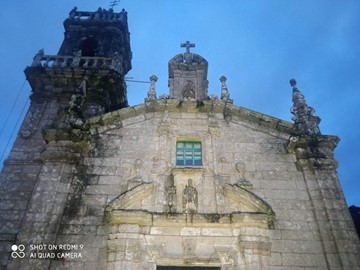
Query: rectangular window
<point>188,154</point>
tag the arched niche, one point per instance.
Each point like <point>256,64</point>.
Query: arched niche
<point>89,47</point>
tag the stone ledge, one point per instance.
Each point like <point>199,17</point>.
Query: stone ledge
<point>208,106</point>
<point>192,170</point>
<point>208,220</point>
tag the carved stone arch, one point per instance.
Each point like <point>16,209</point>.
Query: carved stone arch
<point>127,207</point>
<point>130,199</point>
<point>245,198</point>
<point>232,240</point>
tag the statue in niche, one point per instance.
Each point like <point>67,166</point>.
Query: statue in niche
<point>190,198</point>
<point>241,180</point>
<point>189,90</point>
<point>170,196</point>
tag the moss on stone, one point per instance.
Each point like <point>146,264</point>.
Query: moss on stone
<point>213,218</point>
<point>75,199</point>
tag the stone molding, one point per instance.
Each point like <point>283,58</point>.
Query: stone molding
<point>211,220</point>
<point>235,113</point>
<point>314,152</point>
<point>124,210</point>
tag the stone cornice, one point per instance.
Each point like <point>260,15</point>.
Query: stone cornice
<point>328,141</point>
<point>314,152</point>
<point>209,220</point>
<point>232,113</point>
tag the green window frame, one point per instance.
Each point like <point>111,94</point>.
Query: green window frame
<point>188,153</point>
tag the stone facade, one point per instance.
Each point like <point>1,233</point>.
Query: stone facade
<point>265,196</point>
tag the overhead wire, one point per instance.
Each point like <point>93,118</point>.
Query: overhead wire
<point>136,81</point>
<point>14,129</point>
<point>12,108</point>
<point>22,111</point>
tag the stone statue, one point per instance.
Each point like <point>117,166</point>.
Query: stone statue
<point>241,180</point>
<point>190,198</point>
<point>189,91</point>
<point>170,196</point>
<point>240,168</point>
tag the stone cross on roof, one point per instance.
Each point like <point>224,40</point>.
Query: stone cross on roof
<point>187,45</point>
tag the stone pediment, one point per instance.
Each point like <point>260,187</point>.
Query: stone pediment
<point>232,113</point>
<point>130,199</point>
<point>244,197</point>
<point>127,209</point>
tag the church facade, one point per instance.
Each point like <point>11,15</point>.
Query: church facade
<point>184,181</point>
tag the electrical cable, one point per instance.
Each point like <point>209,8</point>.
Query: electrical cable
<point>13,131</point>
<point>136,81</point>
<point>12,108</point>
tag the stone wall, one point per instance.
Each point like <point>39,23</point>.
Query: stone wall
<point>110,191</point>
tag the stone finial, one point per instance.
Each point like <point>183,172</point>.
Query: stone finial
<point>152,89</point>
<point>37,58</point>
<point>225,95</point>
<point>304,120</point>
<point>72,13</point>
<point>293,83</point>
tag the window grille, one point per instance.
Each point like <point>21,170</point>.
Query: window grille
<point>188,154</point>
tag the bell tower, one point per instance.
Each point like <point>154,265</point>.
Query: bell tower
<point>86,77</point>
<point>84,80</point>
<point>98,34</point>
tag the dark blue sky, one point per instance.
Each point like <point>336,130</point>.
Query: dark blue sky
<point>257,45</point>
